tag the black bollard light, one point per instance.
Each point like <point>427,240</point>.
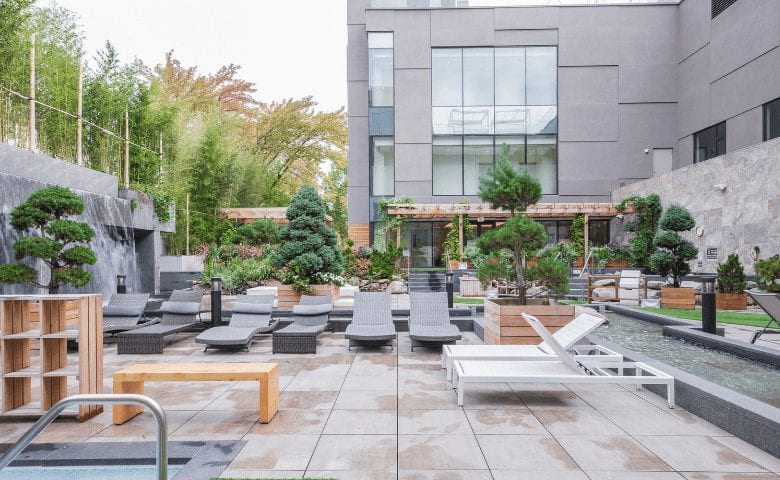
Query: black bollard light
<point>708,311</point>
<point>216,301</point>
<point>449,286</point>
<point>121,284</point>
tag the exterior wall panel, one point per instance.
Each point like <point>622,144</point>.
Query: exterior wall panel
<point>462,27</point>
<point>694,91</point>
<point>413,163</point>
<point>754,84</point>
<point>413,106</point>
<point>526,37</point>
<point>742,131</point>
<point>587,36</point>
<point>693,27</point>
<point>380,21</point>
<point>647,83</point>
<point>413,40</point>
<point>526,18</point>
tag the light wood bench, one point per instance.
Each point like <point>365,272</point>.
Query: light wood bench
<point>132,378</point>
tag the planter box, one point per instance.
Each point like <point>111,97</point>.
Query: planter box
<point>683,298</point>
<point>731,301</point>
<point>287,297</point>
<point>504,324</point>
<point>470,287</point>
<point>617,264</point>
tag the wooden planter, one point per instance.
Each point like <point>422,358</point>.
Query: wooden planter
<point>505,326</point>
<point>731,301</point>
<point>683,298</point>
<point>287,297</point>
<point>617,264</point>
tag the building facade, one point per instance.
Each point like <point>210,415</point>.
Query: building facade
<point>588,98</point>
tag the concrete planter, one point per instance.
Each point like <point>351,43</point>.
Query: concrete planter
<point>287,297</point>
<point>504,324</point>
<point>683,298</point>
<point>731,301</point>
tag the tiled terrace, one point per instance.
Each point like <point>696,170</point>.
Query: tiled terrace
<point>373,414</point>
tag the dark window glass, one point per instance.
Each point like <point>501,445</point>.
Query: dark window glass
<point>598,232</point>
<point>772,120</point>
<point>709,143</point>
<point>380,121</point>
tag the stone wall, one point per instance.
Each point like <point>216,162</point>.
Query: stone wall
<point>745,214</point>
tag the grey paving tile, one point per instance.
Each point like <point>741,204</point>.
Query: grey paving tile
<point>300,421</point>
<point>308,400</point>
<point>729,476</point>
<point>611,453</point>
<point>362,422</point>
<point>505,422</point>
<point>439,452</point>
<point>525,452</point>
<point>576,421</point>
<point>445,475</point>
<point>710,455</point>
<point>276,452</point>
<point>355,453</point>
<point>367,400</point>
<point>433,422</point>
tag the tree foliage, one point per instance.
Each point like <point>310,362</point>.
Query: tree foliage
<point>309,250</point>
<point>674,251</point>
<point>504,187</point>
<point>648,212</point>
<point>731,275</point>
<point>54,240</point>
<point>768,273</point>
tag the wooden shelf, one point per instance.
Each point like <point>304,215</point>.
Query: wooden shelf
<point>31,371</point>
<point>22,335</point>
<point>66,334</point>
<point>69,371</point>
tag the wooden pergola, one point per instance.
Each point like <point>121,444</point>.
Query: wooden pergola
<point>483,211</point>
<point>247,215</point>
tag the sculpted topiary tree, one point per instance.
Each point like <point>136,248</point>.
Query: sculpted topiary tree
<point>309,248</point>
<point>674,251</point>
<point>52,239</point>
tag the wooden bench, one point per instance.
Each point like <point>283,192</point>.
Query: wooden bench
<point>132,378</point>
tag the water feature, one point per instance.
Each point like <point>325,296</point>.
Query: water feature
<point>114,241</point>
<point>124,472</point>
<point>750,378</point>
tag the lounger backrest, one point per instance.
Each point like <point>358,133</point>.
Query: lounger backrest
<point>428,309</point>
<point>372,309</point>
<point>573,332</point>
<point>194,295</point>
<point>316,300</point>
<point>132,303</point>
<point>181,297</point>
<point>556,347</point>
<point>252,311</point>
<point>769,302</point>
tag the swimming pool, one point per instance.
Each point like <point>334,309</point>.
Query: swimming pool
<point>119,472</point>
<point>753,379</point>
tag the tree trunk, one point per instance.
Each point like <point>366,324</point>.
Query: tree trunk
<point>519,267</point>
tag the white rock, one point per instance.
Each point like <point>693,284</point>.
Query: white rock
<point>696,286</point>
<point>536,291</point>
<point>656,284</point>
<point>605,293</point>
<point>607,282</point>
<point>396,286</point>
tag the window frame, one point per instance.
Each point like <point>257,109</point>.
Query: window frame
<point>767,122</point>
<point>700,132</point>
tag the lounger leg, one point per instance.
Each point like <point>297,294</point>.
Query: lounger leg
<point>460,392</point>
<point>670,393</point>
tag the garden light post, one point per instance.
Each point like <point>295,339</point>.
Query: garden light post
<point>216,301</point>
<point>708,305</point>
<point>448,281</point>
<point>121,284</point>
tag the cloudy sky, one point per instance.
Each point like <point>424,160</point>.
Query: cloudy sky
<point>288,48</point>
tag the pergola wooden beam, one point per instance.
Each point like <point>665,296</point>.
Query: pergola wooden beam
<point>477,210</point>
<point>247,215</point>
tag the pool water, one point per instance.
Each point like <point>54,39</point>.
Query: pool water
<point>753,379</point>
<point>120,472</point>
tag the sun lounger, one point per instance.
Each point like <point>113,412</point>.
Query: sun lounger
<point>567,336</point>
<point>429,320</point>
<point>124,311</point>
<point>251,315</point>
<point>310,318</point>
<point>179,313</point>
<point>372,321</point>
<point>770,303</point>
<point>564,370</point>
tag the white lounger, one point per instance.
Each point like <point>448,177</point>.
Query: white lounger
<point>565,370</point>
<point>567,336</point>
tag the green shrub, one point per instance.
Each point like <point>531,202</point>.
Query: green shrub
<point>674,251</point>
<point>383,263</point>
<point>452,240</point>
<point>577,234</point>
<point>602,256</point>
<point>239,274</point>
<point>260,232</point>
<point>550,273</point>
<point>648,212</point>
<point>731,275</point>
<point>767,273</point>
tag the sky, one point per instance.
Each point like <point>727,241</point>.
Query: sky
<point>287,48</point>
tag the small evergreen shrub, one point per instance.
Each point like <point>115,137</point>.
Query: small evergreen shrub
<point>768,273</point>
<point>731,275</point>
<point>674,252</point>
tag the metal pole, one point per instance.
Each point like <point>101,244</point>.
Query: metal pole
<point>708,307</point>
<point>79,120</point>
<point>121,284</point>
<point>127,150</point>
<point>216,301</point>
<point>450,289</point>
<point>94,399</point>
<point>31,140</point>
<point>187,225</point>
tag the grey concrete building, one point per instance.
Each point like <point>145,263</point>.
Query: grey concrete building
<point>588,97</point>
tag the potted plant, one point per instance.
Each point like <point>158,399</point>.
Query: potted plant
<point>671,258</point>
<point>731,285</point>
<point>507,248</point>
<point>308,255</point>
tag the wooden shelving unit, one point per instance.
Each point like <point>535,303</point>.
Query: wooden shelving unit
<point>45,323</point>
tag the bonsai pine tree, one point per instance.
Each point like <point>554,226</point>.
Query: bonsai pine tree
<point>52,239</point>
<point>514,191</point>
<point>731,275</point>
<point>309,248</point>
<point>674,252</point>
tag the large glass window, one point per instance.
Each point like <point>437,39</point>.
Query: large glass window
<point>510,76</point>
<point>382,166</point>
<point>598,232</point>
<point>477,161</point>
<point>709,143</point>
<point>478,77</point>
<point>514,148</point>
<point>447,166</point>
<point>447,77</point>
<point>541,76</point>
<point>772,120</point>
<point>380,69</point>
<point>541,155</point>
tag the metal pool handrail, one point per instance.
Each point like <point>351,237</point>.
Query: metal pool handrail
<point>93,399</point>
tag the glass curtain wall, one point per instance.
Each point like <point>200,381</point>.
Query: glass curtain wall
<point>488,102</point>
<point>380,114</point>
<point>382,166</point>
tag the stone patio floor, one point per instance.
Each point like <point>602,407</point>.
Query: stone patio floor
<point>377,415</point>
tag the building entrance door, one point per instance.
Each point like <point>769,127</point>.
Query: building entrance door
<point>421,244</point>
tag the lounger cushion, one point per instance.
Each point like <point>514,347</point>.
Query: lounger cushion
<point>226,336</point>
<point>157,329</point>
<point>298,330</point>
<point>370,332</point>
<point>180,308</point>
<point>445,333</point>
<point>122,311</point>
<point>253,308</point>
<point>311,309</point>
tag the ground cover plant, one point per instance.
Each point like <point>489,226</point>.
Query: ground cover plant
<point>735,318</point>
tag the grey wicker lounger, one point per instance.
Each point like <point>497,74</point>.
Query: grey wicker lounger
<point>178,313</point>
<point>310,318</point>
<point>770,303</point>
<point>124,311</point>
<point>251,315</point>
<point>429,320</point>
<point>372,321</point>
